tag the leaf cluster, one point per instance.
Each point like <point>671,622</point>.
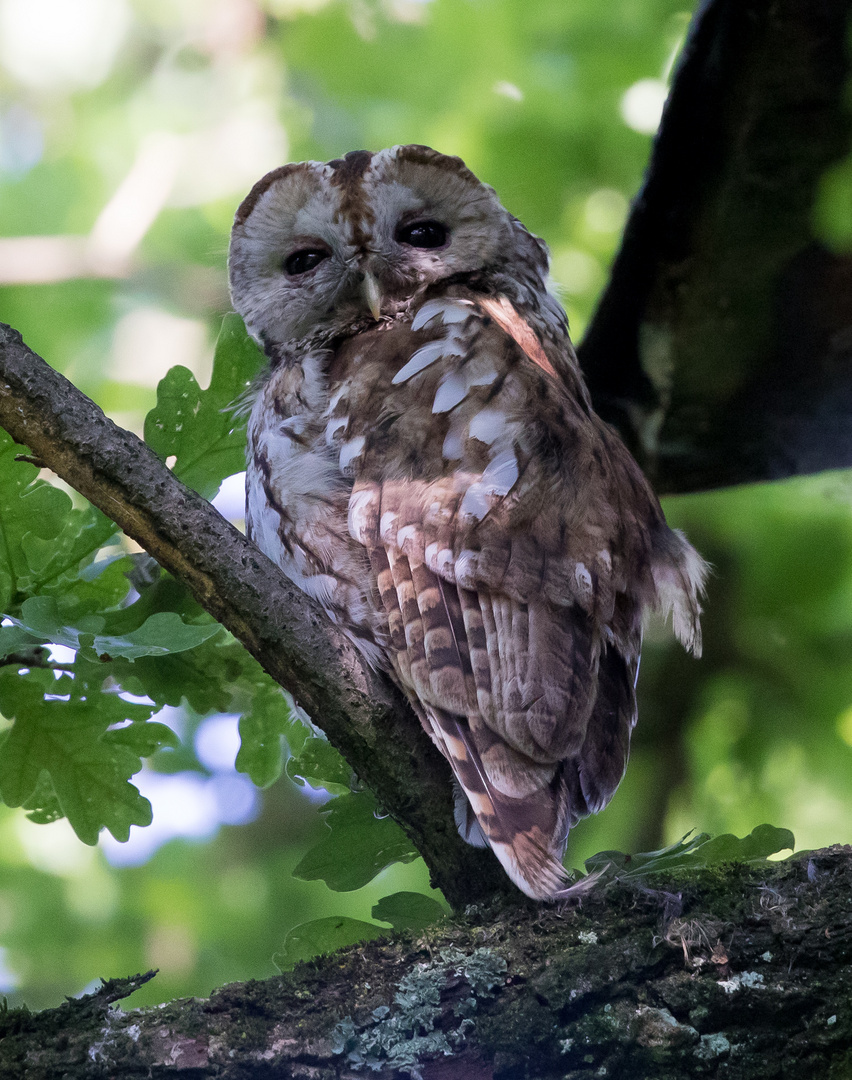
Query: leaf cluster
<point>691,853</point>
<point>131,640</point>
<point>96,641</point>
<point>532,98</point>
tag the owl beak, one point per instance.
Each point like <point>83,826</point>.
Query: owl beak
<point>372,295</point>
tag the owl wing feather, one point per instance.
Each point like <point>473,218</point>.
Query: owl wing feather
<point>460,647</point>
<point>512,590</point>
<point>424,462</point>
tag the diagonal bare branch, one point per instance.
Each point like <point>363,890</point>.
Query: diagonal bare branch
<point>364,716</point>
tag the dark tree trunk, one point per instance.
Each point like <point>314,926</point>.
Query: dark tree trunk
<point>722,347</point>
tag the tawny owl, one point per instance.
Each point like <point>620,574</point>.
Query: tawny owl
<point>425,463</point>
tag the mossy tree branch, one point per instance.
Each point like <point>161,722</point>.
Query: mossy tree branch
<point>692,354</point>
<point>721,350</point>
<point>740,971</point>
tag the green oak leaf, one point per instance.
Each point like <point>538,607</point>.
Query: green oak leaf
<point>61,729</point>
<point>408,910</point>
<point>43,806</point>
<point>205,677</point>
<point>40,617</point>
<point>359,845</point>
<point>144,738</point>
<point>694,853</point>
<point>268,719</point>
<point>198,427</point>
<point>15,639</point>
<point>42,539</point>
<point>320,936</point>
<point>320,765</point>
<point>160,634</point>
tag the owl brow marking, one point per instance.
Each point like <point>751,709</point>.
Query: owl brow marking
<point>348,175</point>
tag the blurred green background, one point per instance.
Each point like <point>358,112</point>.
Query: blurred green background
<point>129,132</point>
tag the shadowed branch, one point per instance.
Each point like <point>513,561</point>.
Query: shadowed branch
<point>364,717</point>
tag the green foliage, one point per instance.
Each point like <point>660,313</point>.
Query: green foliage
<point>64,754</point>
<point>75,740</point>
<point>198,427</point>
<point>361,841</point>
<point>403,910</point>
<point>414,911</point>
<point>59,757</point>
<point>697,853</point>
<point>42,539</point>
<point>360,845</point>
<point>408,910</point>
<point>322,936</point>
<point>268,717</point>
<point>318,764</point>
<point>160,634</point>
<point>759,730</point>
<point>833,209</point>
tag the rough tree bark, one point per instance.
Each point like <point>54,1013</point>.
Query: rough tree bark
<point>742,973</point>
<point>721,349</point>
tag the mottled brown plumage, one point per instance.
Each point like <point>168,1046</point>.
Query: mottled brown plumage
<point>425,462</point>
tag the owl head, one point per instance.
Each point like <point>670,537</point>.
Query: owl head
<point>317,249</point>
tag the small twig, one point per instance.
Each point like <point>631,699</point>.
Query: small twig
<point>31,460</point>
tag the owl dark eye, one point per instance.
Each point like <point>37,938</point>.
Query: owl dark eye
<point>300,262</point>
<point>423,234</point>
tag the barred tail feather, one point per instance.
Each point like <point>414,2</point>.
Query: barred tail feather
<point>469,828</point>
<point>519,831</point>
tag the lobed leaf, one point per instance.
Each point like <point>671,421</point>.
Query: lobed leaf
<point>262,729</point>
<point>408,910</point>
<point>60,729</point>
<point>43,537</point>
<point>144,739</point>
<point>320,936</point>
<point>199,427</point>
<point>696,853</point>
<point>359,845</point>
<point>321,766</point>
<point>163,633</point>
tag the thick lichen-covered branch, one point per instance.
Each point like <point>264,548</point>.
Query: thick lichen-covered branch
<point>362,714</point>
<point>736,971</point>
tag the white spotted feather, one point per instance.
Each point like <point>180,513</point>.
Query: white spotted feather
<point>424,462</point>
